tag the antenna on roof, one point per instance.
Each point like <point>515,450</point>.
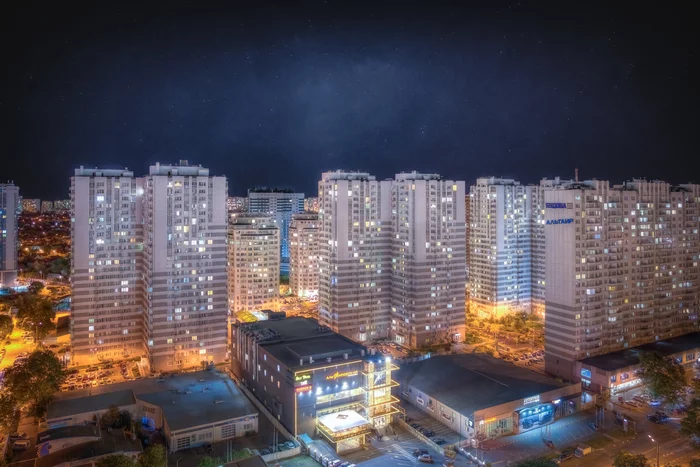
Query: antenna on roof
<point>576,174</point>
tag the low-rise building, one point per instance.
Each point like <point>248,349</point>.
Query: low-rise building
<point>617,372</point>
<point>482,397</point>
<point>316,382</point>
<point>191,409</point>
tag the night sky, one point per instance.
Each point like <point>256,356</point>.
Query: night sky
<point>276,94</point>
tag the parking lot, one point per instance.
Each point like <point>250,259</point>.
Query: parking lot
<point>100,375</point>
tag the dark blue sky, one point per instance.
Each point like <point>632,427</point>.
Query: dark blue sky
<point>276,94</point>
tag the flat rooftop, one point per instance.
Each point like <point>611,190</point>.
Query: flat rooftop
<point>630,357</point>
<point>318,348</point>
<point>186,399</point>
<point>89,403</point>
<point>111,443</point>
<point>472,382</point>
<point>287,329</point>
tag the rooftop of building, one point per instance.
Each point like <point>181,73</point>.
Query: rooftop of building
<point>187,399</point>
<point>97,172</point>
<point>472,382</point>
<point>114,442</point>
<point>89,403</point>
<point>630,357</point>
<point>264,189</point>
<point>72,431</point>
<point>294,339</point>
<point>182,168</point>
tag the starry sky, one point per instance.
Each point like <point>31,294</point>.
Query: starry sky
<point>274,93</point>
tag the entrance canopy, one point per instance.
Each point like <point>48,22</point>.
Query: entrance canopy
<point>342,421</point>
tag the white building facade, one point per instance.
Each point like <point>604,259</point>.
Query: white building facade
<point>428,269</point>
<point>355,254</point>
<point>281,205</point>
<point>107,320</point>
<point>253,262</point>
<point>621,268</point>
<point>303,255</point>
<point>9,204</point>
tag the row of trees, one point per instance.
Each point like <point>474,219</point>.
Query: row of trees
<point>153,456</point>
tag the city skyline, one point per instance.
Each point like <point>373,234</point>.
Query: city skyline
<point>514,90</point>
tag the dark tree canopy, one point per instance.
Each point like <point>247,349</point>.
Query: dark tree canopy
<point>35,314</point>
<point>662,377</point>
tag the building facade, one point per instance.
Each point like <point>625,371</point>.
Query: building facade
<point>149,266</point>
<point>253,262</point>
<point>311,204</point>
<point>9,203</point>
<point>355,254</point>
<point>303,255</point>
<point>237,204</point>
<point>428,270</point>
<point>31,205</point>
<point>107,320</point>
<point>62,205</point>
<point>621,268</point>
<point>281,205</point>
<point>47,206</point>
<point>185,260</point>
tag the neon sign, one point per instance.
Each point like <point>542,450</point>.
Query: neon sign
<point>559,221</point>
<point>302,377</point>
<point>337,375</point>
<point>306,388</point>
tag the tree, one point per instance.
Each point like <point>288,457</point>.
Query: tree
<point>35,379</point>
<point>117,460</point>
<point>662,377</point>
<point>35,287</point>
<point>154,456</point>
<point>6,326</point>
<point>695,462</point>
<point>35,314</point>
<point>690,425</point>
<point>110,419</point>
<point>626,459</point>
<point>9,415</point>
<point>207,461</point>
<point>537,462</point>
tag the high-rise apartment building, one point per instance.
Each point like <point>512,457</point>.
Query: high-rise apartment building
<point>107,320</point>
<point>428,269</point>
<point>500,256</point>
<point>253,262</point>
<point>46,206</point>
<point>149,266</point>
<point>303,255</point>
<point>185,260</point>
<point>9,203</point>
<point>281,205</point>
<point>311,204</point>
<point>31,205</point>
<point>621,268</point>
<point>237,204</point>
<point>355,254</point>
<point>61,205</point>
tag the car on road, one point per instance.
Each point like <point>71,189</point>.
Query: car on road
<point>654,403</point>
<point>426,458</point>
<point>439,441</point>
<point>419,452</point>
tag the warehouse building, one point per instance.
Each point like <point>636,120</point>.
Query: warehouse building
<point>482,397</point>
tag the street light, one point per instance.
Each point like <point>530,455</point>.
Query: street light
<point>658,464</point>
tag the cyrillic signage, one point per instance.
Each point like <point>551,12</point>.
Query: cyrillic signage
<point>531,400</point>
<point>559,221</point>
<point>302,377</point>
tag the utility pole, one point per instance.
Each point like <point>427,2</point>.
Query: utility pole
<point>658,462</point>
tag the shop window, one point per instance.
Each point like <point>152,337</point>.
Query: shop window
<point>613,378</point>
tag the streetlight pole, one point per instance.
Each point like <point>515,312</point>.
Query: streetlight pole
<point>658,464</point>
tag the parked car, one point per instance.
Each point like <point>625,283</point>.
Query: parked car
<point>21,445</point>
<point>16,436</point>
<point>426,458</point>
<point>419,452</point>
<point>654,403</point>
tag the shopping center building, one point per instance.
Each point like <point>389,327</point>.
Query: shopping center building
<point>316,382</point>
<point>617,372</point>
<point>482,397</point>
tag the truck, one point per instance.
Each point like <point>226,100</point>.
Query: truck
<point>583,451</point>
